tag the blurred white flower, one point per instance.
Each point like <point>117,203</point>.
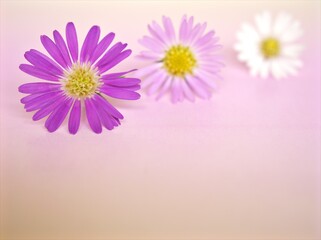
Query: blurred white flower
<point>269,47</point>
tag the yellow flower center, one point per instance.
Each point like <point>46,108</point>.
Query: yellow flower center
<point>270,47</point>
<point>179,60</point>
<point>81,81</point>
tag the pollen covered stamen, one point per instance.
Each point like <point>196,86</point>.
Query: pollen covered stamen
<point>270,47</point>
<point>179,60</point>
<point>81,81</point>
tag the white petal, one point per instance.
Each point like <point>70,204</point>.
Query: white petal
<point>297,63</point>
<point>263,23</point>
<point>255,65</point>
<point>288,67</point>
<point>281,23</point>
<point>249,52</point>
<point>264,69</point>
<point>292,50</point>
<point>276,69</point>
<point>248,33</point>
<point>292,33</point>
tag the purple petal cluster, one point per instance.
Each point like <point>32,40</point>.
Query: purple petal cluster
<point>87,68</point>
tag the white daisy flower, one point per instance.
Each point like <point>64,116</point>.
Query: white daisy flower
<point>270,47</point>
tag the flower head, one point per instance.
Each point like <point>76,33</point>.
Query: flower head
<point>76,79</point>
<point>185,64</point>
<point>270,47</point>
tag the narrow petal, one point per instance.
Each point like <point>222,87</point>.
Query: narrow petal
<point>281,23</point>
<point>157,33</point>
<point>29,97</point>
<point>203,40</point>
<point>115,121</point>
<point>209,48</point>
<point>153,77</point>
<point>148,70</point>
<point>198,33</point>
<point>108,107</point>
<point>104,116</point>
<point>150,56</point>
<point>188,93</point>
<point>101,47</point>
<point>90,43</point>
<point>198,87</point>
<point>60,43</point>
<point>42,101</point>
<point>190,24</point>
<point>120,93</point>
<point>53,50</point>
<point>289,67</point>
<point>169,29</point>
<point>92,116</point>
<point>292,33</point>
<point>37,72</point>
<point>122,82</point>
<point>164,88</point>
<point>38,87</point>
<point>292,50</point>
<point>264,70</point>
<point>72,41</point>
<point>74,118</point>
<point>183,31</point>
<point>43,62</point>
<point>195,31</point>
<point>276,69</point>
<point>177,91</point>
<point>47,109</point>
<point>263,23</point>
<point>56,118</point>
<point>123,55</point>
<point>248,33</point>
<point>110,54</point>
<point>157,83</point>
<point>207,78</point>
<point>151,44</point>
<point>116,75</point>
<point>132,88</point>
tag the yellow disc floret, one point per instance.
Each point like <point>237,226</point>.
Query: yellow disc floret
<point>270,47</point>
<point>179,60</point>
<point>81,81</point>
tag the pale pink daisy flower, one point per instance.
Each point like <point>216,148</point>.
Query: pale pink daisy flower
<point>184,63</point>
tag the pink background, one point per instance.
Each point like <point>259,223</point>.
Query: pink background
<point>244,165</point>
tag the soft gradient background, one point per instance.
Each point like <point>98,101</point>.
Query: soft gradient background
<point>244,165</point>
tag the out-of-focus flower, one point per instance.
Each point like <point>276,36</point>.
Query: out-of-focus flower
<point>184,63</point>
<point>270,47</point>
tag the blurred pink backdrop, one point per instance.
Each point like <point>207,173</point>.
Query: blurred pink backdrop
<point>244,165</point>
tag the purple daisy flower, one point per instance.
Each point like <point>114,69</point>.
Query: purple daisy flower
<point>76,79</point>
<point>185,64</point>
